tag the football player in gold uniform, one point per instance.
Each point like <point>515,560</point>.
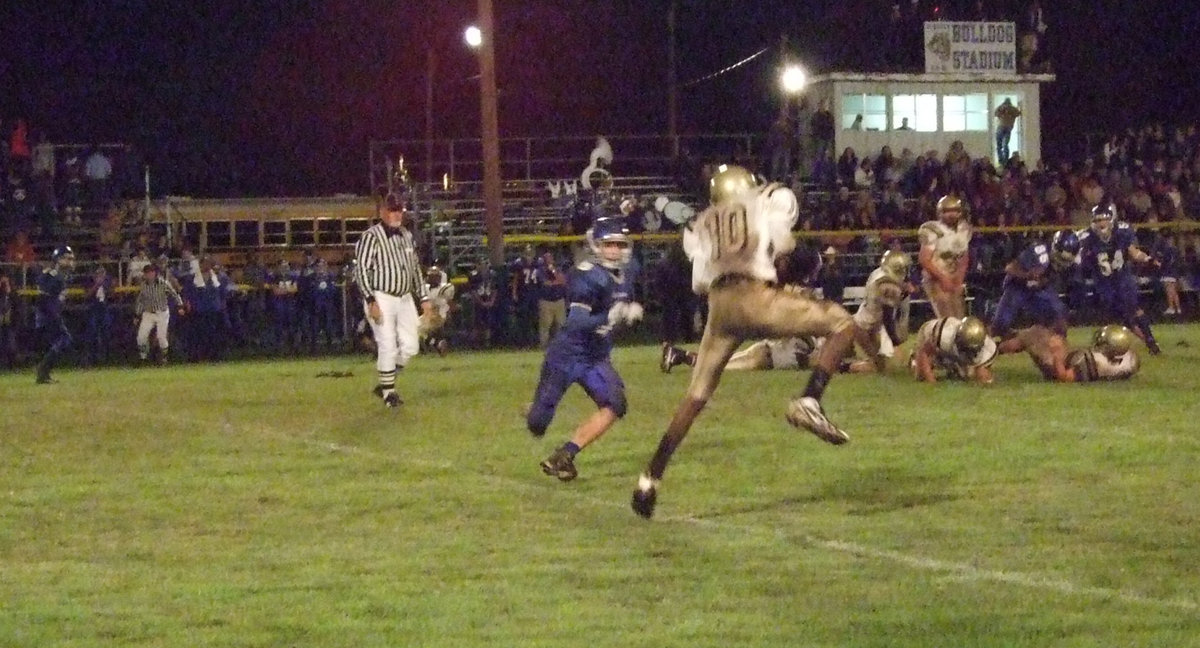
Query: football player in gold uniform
<point>1111,356</point>
<point>961,347</point>
<point>944,258</point>
<point>733,246</point>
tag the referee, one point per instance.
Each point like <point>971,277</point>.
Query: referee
<point>389,277</point>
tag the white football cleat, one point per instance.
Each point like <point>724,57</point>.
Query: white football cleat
<point>806,412</point>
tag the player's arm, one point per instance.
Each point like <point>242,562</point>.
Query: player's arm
<point>1137,255</point>
<point>960,271</point>
<point>1058,354</point>
<point>923,362</point>
<point>364,252</point>
<point>926,258</point>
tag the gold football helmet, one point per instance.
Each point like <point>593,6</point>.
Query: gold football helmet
<point>971,336</point>
<point>1113,340</point>
<point>895,264</point>
<point>729,181</point>
<point>950,209</point>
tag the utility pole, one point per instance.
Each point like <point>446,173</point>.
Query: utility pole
<point>672,81</point>
<point>493,202</point>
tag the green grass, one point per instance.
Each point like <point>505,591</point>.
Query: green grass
<point>255,504</point>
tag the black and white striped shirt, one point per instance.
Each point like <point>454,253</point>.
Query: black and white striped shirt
<point>388,264</point>
<point>152,298</point>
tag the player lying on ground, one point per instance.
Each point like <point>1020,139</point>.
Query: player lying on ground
<point>960,347</point>
<point>789,353</point>
<point>1109,358</point>
<point>733,246</point>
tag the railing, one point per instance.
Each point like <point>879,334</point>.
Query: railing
<point>527,158</point>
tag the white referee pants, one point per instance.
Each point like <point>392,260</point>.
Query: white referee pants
<point>396,338</point>
<point>158,321</point>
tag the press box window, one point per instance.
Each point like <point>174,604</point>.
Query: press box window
<point>964,113</point>
<point>873,108</point>
<point>920,111</point>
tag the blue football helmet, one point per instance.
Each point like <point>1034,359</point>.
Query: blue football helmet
<point>1104,220</point>
<point>608,229</point>
<point>1064,247</point>
<point>63,256</point>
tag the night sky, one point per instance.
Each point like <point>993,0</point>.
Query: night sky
<point>281,97</point>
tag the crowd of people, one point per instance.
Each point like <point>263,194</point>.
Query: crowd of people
<point>1151,175</point>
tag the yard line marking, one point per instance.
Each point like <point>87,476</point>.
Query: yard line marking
<point>962,571</point>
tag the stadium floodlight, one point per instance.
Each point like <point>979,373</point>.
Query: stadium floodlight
<point>473,36</point>
<point>793,79</point>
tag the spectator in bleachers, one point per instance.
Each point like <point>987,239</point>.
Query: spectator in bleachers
<point>847,166</point>
<point>830,277</point>
<point>98,170</point>
<point>864,175</point>
<point>18,149</point>
<point>780,145</point>
<point>20,255</point>
<point>822,129</point>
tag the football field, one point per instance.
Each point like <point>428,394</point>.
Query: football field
<point>265,504</point>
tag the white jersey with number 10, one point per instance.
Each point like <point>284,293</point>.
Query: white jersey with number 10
<point>742,236</point>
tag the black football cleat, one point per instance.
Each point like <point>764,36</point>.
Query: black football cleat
<point>560,465</point>
<point>392,400</point>
<point>1153,347</point>
<point>645,497</point>
<point>378,391</point>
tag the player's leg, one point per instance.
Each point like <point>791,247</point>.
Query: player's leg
<point>407,324</point>
<point>387,347</point>
<point>143,335</point>
<point>756,356</point>
<point>871,340</point>
<point>1170,286</point>
<point>1132,315</point>
<point>786,313</point>
<point>673,356</point>
<point>1007,310</point>
<point>552,384</point>
<point>605,387</point>
<point>715,349</point>
<point>162,320</point>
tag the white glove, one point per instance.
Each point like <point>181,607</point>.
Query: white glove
<point>617,314</point>
<point>634,313</point>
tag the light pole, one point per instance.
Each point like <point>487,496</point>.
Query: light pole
<point>430,70</point>
<point>482,38</point>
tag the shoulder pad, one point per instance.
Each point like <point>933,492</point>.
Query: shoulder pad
<point>584,266</point>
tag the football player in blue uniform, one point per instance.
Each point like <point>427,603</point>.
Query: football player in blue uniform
<point>52,285</point>
<point>1106,249</point>
<point>600,298</point>
<point>1029,287</point>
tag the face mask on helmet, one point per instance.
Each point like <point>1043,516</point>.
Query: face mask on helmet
<point>1113,341</point>
<point>895,264</point>
<point>1064,248</point>
<point>1103,219</point>
<point>971,336</point>
<point>609,243</point>
<point>950,210</point>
